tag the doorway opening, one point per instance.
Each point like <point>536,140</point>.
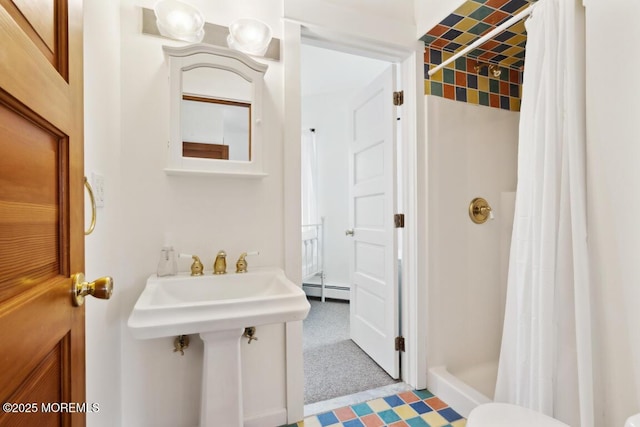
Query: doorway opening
<point>334,221</point>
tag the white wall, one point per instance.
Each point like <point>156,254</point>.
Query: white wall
<point>330,79</point>
<point>203,215</point>
<point>472,152</point>
<point>327,113</point>
<point>102,248</point>
<point>613,185</point>
<point>385,21</point>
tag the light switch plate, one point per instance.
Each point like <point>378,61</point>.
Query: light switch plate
<point>97,181</point>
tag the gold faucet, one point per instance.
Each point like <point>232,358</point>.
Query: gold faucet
<point>241,265</point>
<point>197,267</point>
<point>220,264</point>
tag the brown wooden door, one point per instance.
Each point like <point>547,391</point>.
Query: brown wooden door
<point>42,365</point>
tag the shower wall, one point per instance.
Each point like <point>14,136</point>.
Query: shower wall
<point>472,152</point>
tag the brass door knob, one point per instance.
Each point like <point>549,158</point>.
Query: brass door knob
<point>101,288</point>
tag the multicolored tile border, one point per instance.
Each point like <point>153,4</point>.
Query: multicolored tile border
<point>475,18</point>
<point>419,408</point>
<point>461,82</point>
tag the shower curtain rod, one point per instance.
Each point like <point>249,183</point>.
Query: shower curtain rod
<point>500,28</point>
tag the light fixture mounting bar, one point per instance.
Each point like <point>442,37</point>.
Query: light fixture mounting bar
<point>213,34</point>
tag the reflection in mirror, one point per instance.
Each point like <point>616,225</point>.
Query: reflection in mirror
<point>215,112</point>
<point>215,128</point>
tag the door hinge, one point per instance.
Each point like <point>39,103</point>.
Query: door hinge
<point>400,344</point>
<point>398,97</point>
<point>398,219</point>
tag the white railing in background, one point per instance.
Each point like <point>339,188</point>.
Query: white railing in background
<point>313,253</point>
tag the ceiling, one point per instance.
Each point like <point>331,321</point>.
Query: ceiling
<point>475,18</point>
<point>391,9</point>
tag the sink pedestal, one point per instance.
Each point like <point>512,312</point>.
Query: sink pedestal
<point>221,403</point>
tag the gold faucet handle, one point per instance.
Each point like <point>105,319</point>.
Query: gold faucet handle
<point>250,333</point>
<point>197,268</point>
<point>241,265</point>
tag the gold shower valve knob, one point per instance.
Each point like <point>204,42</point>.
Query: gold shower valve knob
<point>479,210</point>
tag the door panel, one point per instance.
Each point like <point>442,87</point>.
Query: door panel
<point>369,163</point>
<point>43,376</point>
<point>45,23</point>
<point>42,385</point>
<point>370,262</point>
<point>372,201</point>
<point>32,194</point>
<point>41,209</point>
<point>369,211</point>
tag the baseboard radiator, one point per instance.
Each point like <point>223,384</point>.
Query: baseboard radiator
<point>330,291</point>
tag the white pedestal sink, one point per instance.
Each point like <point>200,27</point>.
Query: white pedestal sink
<point>218,307</point>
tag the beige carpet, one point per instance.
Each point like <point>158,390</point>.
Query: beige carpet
<point>334,365</point>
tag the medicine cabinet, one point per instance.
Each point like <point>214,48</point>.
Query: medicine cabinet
<point>215,112</point>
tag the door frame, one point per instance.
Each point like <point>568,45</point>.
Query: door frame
<point>413,298</point>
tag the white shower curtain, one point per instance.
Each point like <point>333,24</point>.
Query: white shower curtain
<point>309,178</point>
<point>546,356</point>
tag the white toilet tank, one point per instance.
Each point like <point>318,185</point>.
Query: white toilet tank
<point>633,421</point>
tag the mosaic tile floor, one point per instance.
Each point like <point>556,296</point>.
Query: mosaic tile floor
<point>418,408</point>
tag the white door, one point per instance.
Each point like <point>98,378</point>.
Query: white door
<point>372,203</point>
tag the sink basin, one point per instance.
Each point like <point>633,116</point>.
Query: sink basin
<point>182,304</point>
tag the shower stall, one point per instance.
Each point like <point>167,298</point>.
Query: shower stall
<point>468,262</point>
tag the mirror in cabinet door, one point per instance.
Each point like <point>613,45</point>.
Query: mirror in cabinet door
<point>215,112</point>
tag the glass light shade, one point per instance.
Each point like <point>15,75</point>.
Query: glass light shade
<point>179,20</point>
<point>249,36</point>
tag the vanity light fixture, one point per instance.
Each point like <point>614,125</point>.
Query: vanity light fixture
<point>179,20</point>
<point>249,36</point>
